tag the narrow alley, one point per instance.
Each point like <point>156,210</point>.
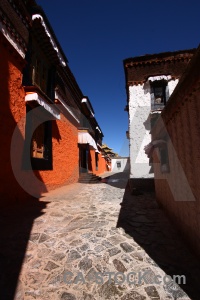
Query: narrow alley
<point>81,233</point>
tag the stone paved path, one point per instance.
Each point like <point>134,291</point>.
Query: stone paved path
<point>84,229</point>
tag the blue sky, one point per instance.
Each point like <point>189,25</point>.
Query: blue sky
<point>98,35</point>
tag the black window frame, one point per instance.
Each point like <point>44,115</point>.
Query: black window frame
<point>119,165</point>
<point>34,163</point>
<point>42,75</point>
<point>154,86</point>
<point>96,160</point>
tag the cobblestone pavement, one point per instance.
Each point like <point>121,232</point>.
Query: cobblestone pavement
<point>88,228</point>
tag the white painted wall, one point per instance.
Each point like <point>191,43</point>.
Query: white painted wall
<point>139,127</point>
<point>139,110</point>
<point>125,164</point>
<point>172,84</point>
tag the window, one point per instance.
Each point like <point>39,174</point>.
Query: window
<point>84,122</point>
<point>118,164</point>
<point>38,142</point>
<point>40,74</point>
<point>39,71</point>
<point>96,160</point>
<point>159,93</point>
<point>43,75</point>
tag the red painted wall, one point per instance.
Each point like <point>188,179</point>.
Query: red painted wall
<point>101,163</point>
<point>65,155</point>
<point>12,108</point>
<point>12,116</point>
<point>178,191</point>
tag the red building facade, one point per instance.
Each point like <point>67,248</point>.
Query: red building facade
<point>42,108</point>
<point>177,186</point>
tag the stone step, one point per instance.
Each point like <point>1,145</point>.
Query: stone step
<point>89,178</point>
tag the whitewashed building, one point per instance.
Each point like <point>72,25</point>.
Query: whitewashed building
<point>150,80</point>
<point>120,164</point>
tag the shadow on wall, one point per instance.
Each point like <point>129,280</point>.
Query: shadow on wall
<point>18,209</point>
<point>118,180</point>
<point>127,166</point>
<point>56,133</point>
<point>142,218</point>
<point>89,161</point>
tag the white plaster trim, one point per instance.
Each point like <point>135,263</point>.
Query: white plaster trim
<point>156,111</point>
<point>10,38</point>
<point>99,146</point>
<point>43,103</point>
<point>84,100</point>
<point>161,77</point>
<point>57,96</point>
<point>38,16</point>
<point>86,138</point>
<point>98,129</point>
<point>157,143</point>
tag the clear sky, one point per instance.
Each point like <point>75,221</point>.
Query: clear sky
<point>97,35</point>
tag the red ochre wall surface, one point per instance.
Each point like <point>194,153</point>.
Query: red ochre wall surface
<point>92,163</point>
<point>101,164</point>
<point>17,183</point>
<point>65,155</point>
<point>183,205</point>
<point>12,109</point>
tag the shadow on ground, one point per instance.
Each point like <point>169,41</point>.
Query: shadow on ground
<point>142,218</point>
<point>16,223</point>
<point>118,180</point>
